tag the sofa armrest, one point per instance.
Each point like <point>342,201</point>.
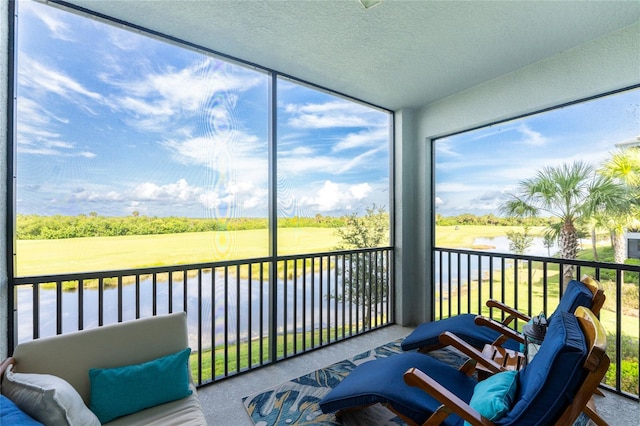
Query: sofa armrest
<point>5,364</point>
<point>3,367</point>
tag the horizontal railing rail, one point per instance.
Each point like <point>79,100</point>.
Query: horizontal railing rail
<point>465,279</point>
<point>239,318</point>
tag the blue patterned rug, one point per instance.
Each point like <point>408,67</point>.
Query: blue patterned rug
<point>296,402</point>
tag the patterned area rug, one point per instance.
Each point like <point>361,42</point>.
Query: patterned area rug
<point>296,402</point>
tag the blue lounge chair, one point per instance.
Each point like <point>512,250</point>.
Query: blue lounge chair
<point>553,389</point>
<point>478,330</point>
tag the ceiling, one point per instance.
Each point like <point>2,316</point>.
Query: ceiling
<point>397,54</point>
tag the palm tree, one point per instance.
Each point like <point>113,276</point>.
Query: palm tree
<point>623,211</point>
<point>609,206</point>
<point>568,192</point>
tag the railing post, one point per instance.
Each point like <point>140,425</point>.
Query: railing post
<point>273,218</point>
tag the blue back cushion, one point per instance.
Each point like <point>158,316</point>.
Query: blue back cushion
<point>549,382</point>
<point>576,294</point>
<point>10,414</point>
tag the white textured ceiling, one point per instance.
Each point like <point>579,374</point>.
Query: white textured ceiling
<point>398,54</point>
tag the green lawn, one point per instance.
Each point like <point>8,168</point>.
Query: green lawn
<point>39,257</point>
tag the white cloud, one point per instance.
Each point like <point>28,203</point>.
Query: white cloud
<point>180,190</point>
<point>52,19</point>
<point>354,162</point>
<point>257,198</point>
<point>376,137</point>
<point>454,187</point>
<point>158,99</point>
<point>41,77</point>
<point>333,196</point>
<point>297,160</point>
<point>82,194</point>
<point>443,147</point>
<point>236,152</point>
<point>360,191</point>
<point>213,200</point>
<point>332,114</point>
<point>146,194</point>
<point>36,134</point>
<point>531,137</point>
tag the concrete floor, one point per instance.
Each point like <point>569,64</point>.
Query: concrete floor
<point>222,401</point>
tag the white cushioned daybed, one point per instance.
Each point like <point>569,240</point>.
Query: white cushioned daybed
<point>131,373</point>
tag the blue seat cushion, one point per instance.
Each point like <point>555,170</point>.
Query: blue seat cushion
<point>463,326</point>
<point>382,381</point>
<point>550,381</point>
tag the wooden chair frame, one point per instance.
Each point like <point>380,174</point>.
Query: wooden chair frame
<point>509,333</point>
<point>596,364</point>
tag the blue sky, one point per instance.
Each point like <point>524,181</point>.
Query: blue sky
<point>476,171</point>
<point>113,122</point>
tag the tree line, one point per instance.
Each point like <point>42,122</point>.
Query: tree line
<point>38,227</point>
<point>41,227</point>
<point>492,220</point>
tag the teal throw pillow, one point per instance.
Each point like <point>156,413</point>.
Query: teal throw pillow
<point>119,391</point>
<point>493,397</point>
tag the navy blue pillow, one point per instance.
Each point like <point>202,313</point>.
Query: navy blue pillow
<point>576,294</point>
<point>10,414</point>
<point>549,382</point>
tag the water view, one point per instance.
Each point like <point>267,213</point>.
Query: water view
<point>232,311</point>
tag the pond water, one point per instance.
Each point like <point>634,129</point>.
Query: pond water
<point>501,245</point>
<point>496,245</point>
<point>224,308</point>
<point>221,308</point>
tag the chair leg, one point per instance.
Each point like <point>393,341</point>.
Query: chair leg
<point>590,411</point>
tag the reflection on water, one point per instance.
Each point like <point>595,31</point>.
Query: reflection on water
<point>501,245</point>
<point>238,310</point>
<point>451,263</point>
<point>235,311</point>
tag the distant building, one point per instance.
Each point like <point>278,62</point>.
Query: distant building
<point>633,245</point>
<point>629,143</point>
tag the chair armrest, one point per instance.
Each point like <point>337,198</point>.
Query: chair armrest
<point>492,303</point>
<point>451,403</point>
<point>449,339</point>
<point>499,327</point>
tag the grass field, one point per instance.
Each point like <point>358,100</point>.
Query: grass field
<point>39,257</point>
